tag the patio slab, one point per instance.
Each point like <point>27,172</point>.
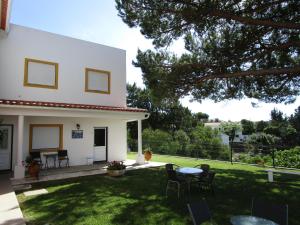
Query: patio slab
<point>35,192</point>
<point>10,212</point>
<point>79,171</point>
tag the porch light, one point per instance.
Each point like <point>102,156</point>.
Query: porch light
<point>78,126</point>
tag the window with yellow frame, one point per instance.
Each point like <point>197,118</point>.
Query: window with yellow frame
<point>40,74</point>
<point>97,81</point>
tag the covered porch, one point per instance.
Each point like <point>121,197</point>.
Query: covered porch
<point>30,121</point>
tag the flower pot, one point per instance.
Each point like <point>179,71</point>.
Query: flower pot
<point>147,155</point>
<point>116,173</point>
<point>34,170</point>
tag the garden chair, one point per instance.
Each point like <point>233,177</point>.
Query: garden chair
<point>174,179</point>
<point>36,156</point>
<point>199,212</point>
<point>206,183</point>
<point>62,155</point>
<point>170,166</point>
<point>275,212</point>
<point>205,168</point>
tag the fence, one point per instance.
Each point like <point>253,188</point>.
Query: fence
<point>273,156</point>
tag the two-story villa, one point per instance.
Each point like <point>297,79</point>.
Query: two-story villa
<point>58,92</point>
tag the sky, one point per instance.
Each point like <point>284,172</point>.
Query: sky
<point>98,21</point>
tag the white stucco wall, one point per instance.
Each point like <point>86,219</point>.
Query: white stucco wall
<point>78,149</point>
<point>72,55</point>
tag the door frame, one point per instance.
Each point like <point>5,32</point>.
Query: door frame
<point>11,145</point>
<point>106,142</point>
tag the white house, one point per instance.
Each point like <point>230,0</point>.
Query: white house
<point>239,136</point>
<point>58,92</point>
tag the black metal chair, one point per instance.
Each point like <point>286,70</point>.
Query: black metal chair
<point>206,183</point>
<point>170,166</point>
<point>205,168</point>
<point>36,155</point>
<point>62,155</point>
<point>199,212</point>
<point>268,210</point>
<point>173,178</point>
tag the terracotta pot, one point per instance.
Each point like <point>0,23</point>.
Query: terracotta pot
<point>147,155</point>
<point>116,173</point>
<point>34,170</point>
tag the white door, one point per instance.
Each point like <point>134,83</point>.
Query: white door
<point>100,139</point>
<point>5,147</point>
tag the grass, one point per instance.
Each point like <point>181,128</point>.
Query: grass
<point>139,197</point>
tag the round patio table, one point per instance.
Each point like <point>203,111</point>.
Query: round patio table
<point>189,170</point>
<point>250,220</point>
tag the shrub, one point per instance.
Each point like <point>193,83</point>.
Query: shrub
<point>288,158</point>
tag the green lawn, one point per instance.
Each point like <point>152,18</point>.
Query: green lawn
<point>139,197</point>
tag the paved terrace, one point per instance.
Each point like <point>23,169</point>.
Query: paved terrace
<point>78,171</point>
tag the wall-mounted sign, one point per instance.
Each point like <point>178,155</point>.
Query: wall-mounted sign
<point>77,134</point>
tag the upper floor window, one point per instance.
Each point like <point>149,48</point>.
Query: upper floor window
<point>97,81</point>
<point>41,74</point>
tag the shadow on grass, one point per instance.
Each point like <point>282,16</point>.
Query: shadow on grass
<point>139,198</point>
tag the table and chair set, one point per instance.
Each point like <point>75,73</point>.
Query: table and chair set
<point>262,212</point>
<point>185,176</point>
<point>50,158</point>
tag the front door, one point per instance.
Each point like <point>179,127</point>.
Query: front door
<point>5,146</point>
<point>100,145</point>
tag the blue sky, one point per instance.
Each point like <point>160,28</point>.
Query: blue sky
<point>97,21</point>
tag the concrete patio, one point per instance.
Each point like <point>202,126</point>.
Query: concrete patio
<point>10,212</point>
<point>76,171</point>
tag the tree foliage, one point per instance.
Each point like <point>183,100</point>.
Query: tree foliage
<point>234,48</point>
<point>248,127</point>
<point>230,128</point>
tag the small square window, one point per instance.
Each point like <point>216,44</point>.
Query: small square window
<point>41,74</point>
<point>97,81</point>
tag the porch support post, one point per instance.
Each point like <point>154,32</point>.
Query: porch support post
<point>19,171</point>
<point>140,157</point>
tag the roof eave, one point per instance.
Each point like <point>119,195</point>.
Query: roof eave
<point>5,10</point>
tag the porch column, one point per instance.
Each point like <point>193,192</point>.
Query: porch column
<point>19,171</point>
<point>140,157</point>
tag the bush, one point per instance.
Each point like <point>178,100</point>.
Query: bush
<point>157,140</point>
<point>288,158</point>
<point>206,143</point>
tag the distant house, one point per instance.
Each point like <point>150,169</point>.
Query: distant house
<point>239,136</point>
<point>57,93</point>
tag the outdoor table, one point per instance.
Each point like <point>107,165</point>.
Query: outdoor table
<point>50,155</point>
<point>250,220</point>
<point>187,172</point>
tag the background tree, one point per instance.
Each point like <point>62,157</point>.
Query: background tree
<point>248,127</point>
<point>295,122</point>
<point>260,126</point>
<point>234,48</point>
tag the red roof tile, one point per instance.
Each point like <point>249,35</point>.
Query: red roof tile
<point>69,105</point>
<point>4,8</point>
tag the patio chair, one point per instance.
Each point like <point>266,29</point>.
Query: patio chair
<point>199,212</point>
<point>268,210</point>
<point>170,166</point>
<point>62,155</point>
<point>36,155</point>
<point>206,183</point>
<point>205,168</point>
<point>174,179</point>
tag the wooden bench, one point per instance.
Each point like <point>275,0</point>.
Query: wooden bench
<point>271,172</point>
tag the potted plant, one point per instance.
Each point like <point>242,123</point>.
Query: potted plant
<point>147,154</point>
<point>33,167</point>
<point>116,168</point>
